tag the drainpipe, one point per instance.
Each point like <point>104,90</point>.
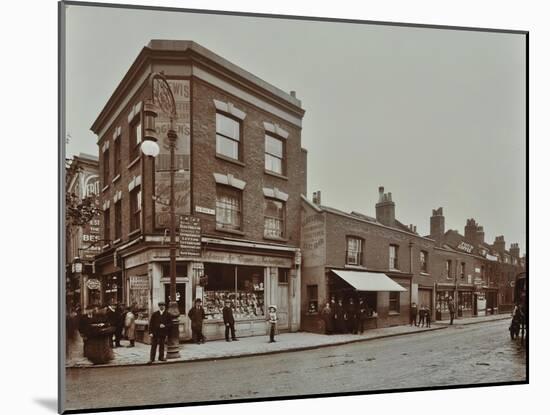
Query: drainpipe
<point>411,271</point>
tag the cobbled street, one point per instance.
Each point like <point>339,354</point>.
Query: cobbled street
<point>472,354</point>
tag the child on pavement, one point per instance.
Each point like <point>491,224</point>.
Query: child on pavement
<point>272,322</point>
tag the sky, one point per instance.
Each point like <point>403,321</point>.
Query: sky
<point>436,116</point>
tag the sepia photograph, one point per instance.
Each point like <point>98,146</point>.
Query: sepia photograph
<point>260,207</point>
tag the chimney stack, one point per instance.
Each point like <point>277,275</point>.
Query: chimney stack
<point>317,198</point>
<point>480,235</point>
<point>385,208</point>
<point>293,94</point>
<point>514,250</point>
<point>437,225</point>
<point>499,245</point>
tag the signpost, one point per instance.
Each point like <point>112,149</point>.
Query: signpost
<point>190,236</point>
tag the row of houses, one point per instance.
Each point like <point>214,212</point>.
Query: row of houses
<point>241,191</point>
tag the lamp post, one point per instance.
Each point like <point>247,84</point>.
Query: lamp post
<point>77,270</point>
<point>163,99</point>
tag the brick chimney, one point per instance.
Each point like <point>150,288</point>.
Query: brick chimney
<point>514,250</point>
<point>437,225</point>
<point>385,208</point>
<point>499,245</point>
<point>317,198</point>
<point>470,231</point>
<point>480,235</point>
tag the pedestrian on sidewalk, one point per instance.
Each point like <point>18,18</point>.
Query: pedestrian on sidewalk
<point>272,322</point>
<point>130,326</point>
<point>362,315</point>
<point>451,309</point>
<point>119,323</point>
<point>159,326</point>
<point>428,316</point>
<point>229,321</point>
<point>197,315</point>
<point>339,321</point>
<point>413,314</point>
<point>421,316</point>
<point>327,314</point>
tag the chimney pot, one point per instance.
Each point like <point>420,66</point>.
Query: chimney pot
<point>293,94</point>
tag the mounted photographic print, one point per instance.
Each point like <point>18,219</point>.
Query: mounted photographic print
<point>263,207</point>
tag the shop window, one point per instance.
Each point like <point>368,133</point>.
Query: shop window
<point>228,137</point>
<point>135,138</point>
<point>139,294</point>
<point>283,275</point>
<point>394,263</point>
<point>274,154</point>
<point>228,208</point>
<point>107,224</point>
<point>448,268</point>
<point>117,159</point>
<point>465,300</point>
<point>106,167</point>
<point>462,270</point>
<point>354,252</point>
<point>442,300</point>
<point>394,305</point>
<point>312,299</point>
<point>118,219</point>
<point>424,262</point>
<point>135,208</point>
<point>242,286</point>
<point>180,296</point>
<point>274,218</point>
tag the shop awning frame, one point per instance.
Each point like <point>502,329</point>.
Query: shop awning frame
<point>368,281</point>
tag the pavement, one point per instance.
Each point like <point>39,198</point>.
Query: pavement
<point>473,320</point>
<point>253,346</point>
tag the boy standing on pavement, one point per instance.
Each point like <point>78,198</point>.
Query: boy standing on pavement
<point>229,321</point>
<point>272,322</point>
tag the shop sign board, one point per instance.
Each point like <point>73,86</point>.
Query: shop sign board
<point>246,259</point>
<point>206,211</point>
<point>93,284</point>
<point>190,236</point>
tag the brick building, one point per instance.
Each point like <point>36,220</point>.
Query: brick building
<point>241,171</point>
<point>354,255</point>
<point>82,239</point>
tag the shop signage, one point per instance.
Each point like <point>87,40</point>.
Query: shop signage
<point>313,239</point>
<point>190,236</point>
<point>244,259</point>
<point>140,282</point>
<point>206,211</point>
<point>93,284</point>
<point>465,247</point>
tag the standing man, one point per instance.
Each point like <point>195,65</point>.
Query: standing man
<point>197,315</point>
<point>159,326</point>
<point>451,309</point>
<point>414,313</point>
<point>113,320</point>
<point>228,321</point>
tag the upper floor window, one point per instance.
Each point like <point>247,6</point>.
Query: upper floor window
<point>117,159</point>
<point>462,269</point>
<point>135,138</point>
<point>354,252</point>
<point>448,268</point>
<point>135,209</point>
<point>106,167</point>
<point>423,261</point>
<point>274,218</point>
<point>394,263</point>
<point>394,305</point>
<point>228,208</point>
<point>228,137</point>
<point>274,154</point>
<point>118,219</point>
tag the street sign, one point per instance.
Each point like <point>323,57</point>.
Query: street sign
<point>190,236</point>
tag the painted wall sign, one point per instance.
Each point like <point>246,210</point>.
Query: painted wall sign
<point>190,236</point>
<point>245,259</point>
<point>463,246</point>
<point>181,90</point>
<point>207,211</point>
<point>313,237</point>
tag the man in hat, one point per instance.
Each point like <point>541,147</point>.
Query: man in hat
<point>229,321</point>
<point>451,305</point>
<point>197,315</point>
<point>159,326</point>
<point>272,322</point>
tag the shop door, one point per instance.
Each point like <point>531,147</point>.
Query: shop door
<point>282,306</point>
<point>425,298</point>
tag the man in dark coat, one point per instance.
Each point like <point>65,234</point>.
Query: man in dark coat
<point>339,320</point>
<point>197,315</point>
<point>159,327</point>
<point>228,321</point>
<point>113,319</point>
<point>413,314</point>
<point>362,314</point>
<point>451,309</point>
<point>351,317</point>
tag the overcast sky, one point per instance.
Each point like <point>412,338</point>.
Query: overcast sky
<point>435,116</point>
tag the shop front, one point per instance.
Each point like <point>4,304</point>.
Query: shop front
<point>444,294</point>
<point>491,296</point>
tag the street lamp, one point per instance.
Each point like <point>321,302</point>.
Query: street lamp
<point>77,270</point>
<point>162,99</point>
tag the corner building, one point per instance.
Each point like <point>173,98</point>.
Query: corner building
<point>241,173</point>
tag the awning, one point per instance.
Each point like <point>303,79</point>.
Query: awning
<point>369,281</point>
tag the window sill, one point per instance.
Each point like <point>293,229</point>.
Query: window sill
<point>105,188</point>
<point>425,273</point>
<point>133,162</point>
<point>361,267</point>
<point>393,313</point>
<point>115,178</point>
<point>272,173</point>
<point>230,160</point>
<point>116,241</point>
<point>275,238</point>
<point>134,232</point>
<point>232,231</point>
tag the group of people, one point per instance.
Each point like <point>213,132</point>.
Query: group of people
<point>345,318</point>
<point>420,316</point>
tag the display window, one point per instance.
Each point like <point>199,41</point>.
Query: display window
<point>465,300</point>
<point>243,286</point>
<point>442,301</point>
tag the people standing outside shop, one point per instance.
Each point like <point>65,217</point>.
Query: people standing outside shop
<point>362,315</point>
<point>197,315</point>
<point>159,326</point>
<point>229,321</point>
<point>451,306</point>
<point>428,316</point>
<point>413,314</point>
<point>130,326</point>
<point>339,317</point>
<point>327,314</point>
<point>272,322</point>
<point>351,317</point>
<point>421,316</point>
<point>119,323</point>
<point>112,320</point>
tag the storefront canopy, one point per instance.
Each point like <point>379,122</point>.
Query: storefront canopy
<point>369,281</point>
